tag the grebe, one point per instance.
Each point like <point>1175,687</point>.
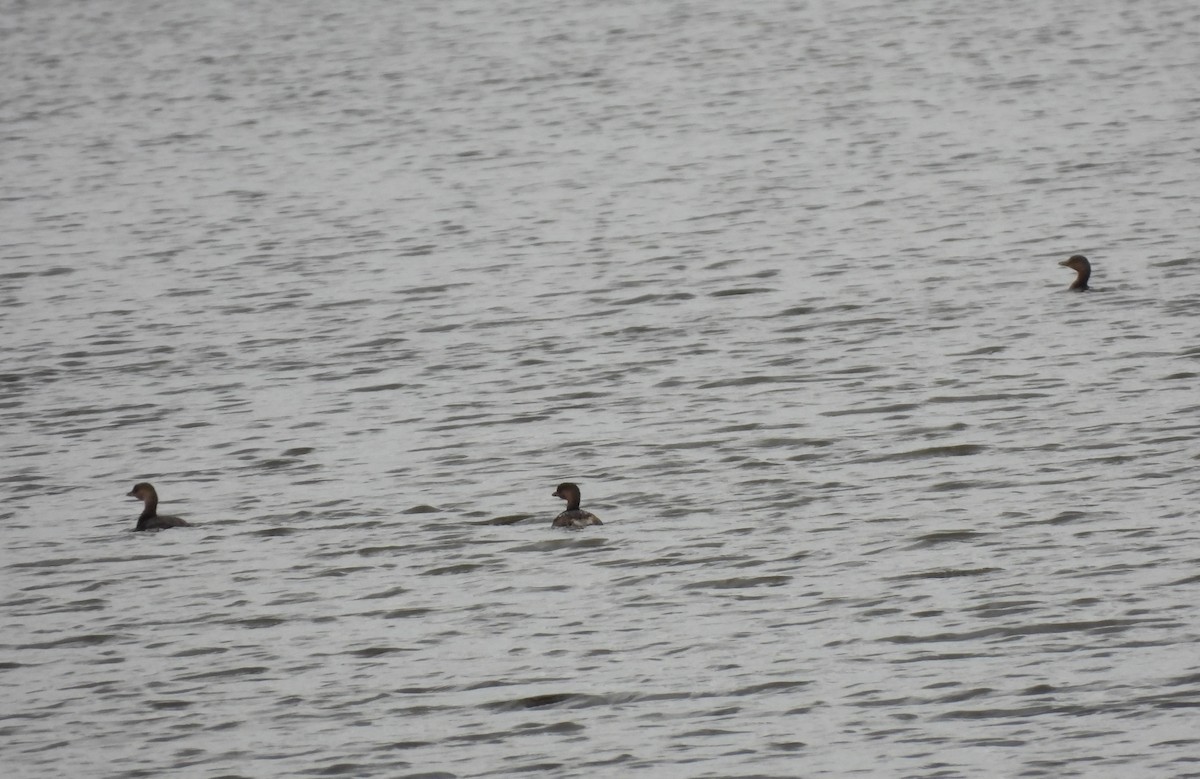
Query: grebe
<point>1083,268</point>
<point>150,520</point>
<point>573,516</point>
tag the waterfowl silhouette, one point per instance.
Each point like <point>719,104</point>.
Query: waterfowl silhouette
<point>574,516</point>
<point>1083,270</point>
<point>150,519</point>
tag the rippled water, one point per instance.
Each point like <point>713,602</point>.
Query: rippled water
<point>357,286</point>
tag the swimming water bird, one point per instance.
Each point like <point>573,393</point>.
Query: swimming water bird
<point>1083,269</point>
<point>573,516</point>
<point>150,520</point>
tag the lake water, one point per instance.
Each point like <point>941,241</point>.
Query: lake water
<point>357,286</point>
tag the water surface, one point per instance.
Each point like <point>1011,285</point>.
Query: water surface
<point>777,285</point>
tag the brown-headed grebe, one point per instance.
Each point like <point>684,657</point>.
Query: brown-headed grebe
<point>150,520</point>
<point>1083,269</point>
<point>573,516</point>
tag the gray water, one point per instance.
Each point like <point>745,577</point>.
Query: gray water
<point>355,286</point>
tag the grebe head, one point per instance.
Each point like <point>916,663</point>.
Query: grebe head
<point>143,491</point>
<point>569,492</point>
<point>1082,268</point>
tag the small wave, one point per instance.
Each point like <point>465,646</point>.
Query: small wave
<point>947,573</point>
<point>947,536</point>
<point>932,452</point>
<point>738,583</point>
